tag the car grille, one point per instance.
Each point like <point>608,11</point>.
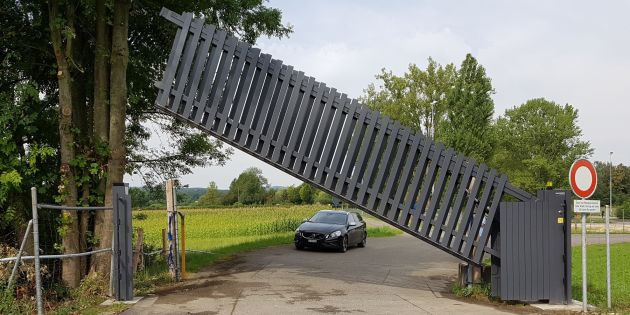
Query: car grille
<point>312,236</point>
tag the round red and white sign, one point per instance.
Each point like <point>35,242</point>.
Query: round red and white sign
<point>583,178</point>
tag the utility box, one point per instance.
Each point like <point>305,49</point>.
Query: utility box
<point>535,247</point>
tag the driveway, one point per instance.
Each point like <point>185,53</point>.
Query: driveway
<point>393,275</point>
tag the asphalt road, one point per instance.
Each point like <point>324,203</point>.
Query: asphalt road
<point>393,275</point>
<point>576,239</point>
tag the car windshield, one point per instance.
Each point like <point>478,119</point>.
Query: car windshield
<point>329,218</point>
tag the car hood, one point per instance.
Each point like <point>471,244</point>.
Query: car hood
<point>320,227</point>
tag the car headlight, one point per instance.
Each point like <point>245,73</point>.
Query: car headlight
<point>297,230</point>
<point>334,234</point>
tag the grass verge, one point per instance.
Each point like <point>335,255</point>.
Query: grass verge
<point>596,275</point>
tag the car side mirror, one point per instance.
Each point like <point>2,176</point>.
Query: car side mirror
<point>352,223</point>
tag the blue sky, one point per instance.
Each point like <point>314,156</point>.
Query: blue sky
<point>575,52</point>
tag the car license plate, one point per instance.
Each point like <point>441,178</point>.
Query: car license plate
<point>312,241</point>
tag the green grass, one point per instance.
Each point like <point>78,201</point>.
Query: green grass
<point>224,232</point>
<point>596,275</point>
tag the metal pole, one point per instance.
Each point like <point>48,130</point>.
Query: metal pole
<point>608,290</point>
<point>38,276</point>
<point>19,256</point>
<point>584,262</point>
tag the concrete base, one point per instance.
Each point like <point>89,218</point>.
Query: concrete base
<point>110,302</point>
<point>576,306</point>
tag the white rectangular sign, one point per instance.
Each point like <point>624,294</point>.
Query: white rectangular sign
<point>586,206</point>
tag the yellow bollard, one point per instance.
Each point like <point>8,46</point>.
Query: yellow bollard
<point>183,240</point>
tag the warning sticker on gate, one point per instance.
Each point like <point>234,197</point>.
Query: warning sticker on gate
<point>586,206</point>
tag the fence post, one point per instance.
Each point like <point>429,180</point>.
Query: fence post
<point>38,276</point>
<point>122,251</point>
<point>171,208</point>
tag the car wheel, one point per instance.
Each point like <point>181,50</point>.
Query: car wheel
<point>364,241</point>
<point>343,247</point>
<point>299,246</point>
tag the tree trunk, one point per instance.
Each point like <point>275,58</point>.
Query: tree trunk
<point>101,77</point>
<point>68,189</point>
<point>118,106</point>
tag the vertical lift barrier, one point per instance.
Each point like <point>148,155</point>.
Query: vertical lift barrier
<point>279,115</point>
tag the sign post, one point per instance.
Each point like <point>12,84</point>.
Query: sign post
<point>583,180</point>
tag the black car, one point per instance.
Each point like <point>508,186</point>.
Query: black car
<point>332,229</point>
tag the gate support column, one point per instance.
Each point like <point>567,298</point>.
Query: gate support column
<point>122,252</point>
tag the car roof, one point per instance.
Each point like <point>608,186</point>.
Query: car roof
<point>335,211</point>
<point>339,211</point>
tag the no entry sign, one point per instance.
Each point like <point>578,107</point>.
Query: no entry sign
<point>583,178</point>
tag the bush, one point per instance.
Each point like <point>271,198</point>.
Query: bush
<point>623,210</point>
<point>476,291</point>
<point>140,216</point>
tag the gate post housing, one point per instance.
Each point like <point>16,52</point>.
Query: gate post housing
<point>535,249</point>
<point>122,252</point>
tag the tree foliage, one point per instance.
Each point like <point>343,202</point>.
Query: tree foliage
<point>537,142</point>
<point>417,98</point>
<point>469,105</point>
<point>248,188</point>
<point>450,105</point>
<point>620,183</point>
<point>212,196</point>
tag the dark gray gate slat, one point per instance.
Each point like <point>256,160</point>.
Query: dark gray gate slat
<point>285,124</point>
<point>351,157</point>
<point>437,193</point>
<point>278,104</point>
<point>235,76</point>
<point>382,165</point>
<point>446,206</point>
<point>362,157</point>
<point>186,63</point>
<point>505,257</point>
<point>321,130</point>
<point>403,184</point>
<point>311,127</point>
<point>198,66</point>
<point>331,139</point>
<point>496,200</point>
<point>374,154</point>
<point>216,49</point>
<point>260,117</point>
<point>429,180</point>
<point>393,177</point>
<point>220,80</point>
<point>243,91</point>
<point>305,106</point>
<point>457,205</point>
<point>414,189</point>
<point>255,97</point>
<point>342,145</point>
<point>479,214</point>
<point>472,196</point>
<point>173,61</point>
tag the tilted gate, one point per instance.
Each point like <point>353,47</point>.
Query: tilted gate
<point>311,131</point>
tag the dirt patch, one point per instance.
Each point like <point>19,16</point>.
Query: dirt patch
<point>329,309</point>
<point>306,293</point>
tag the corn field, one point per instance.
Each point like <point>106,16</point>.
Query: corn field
<point>211,229</point>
